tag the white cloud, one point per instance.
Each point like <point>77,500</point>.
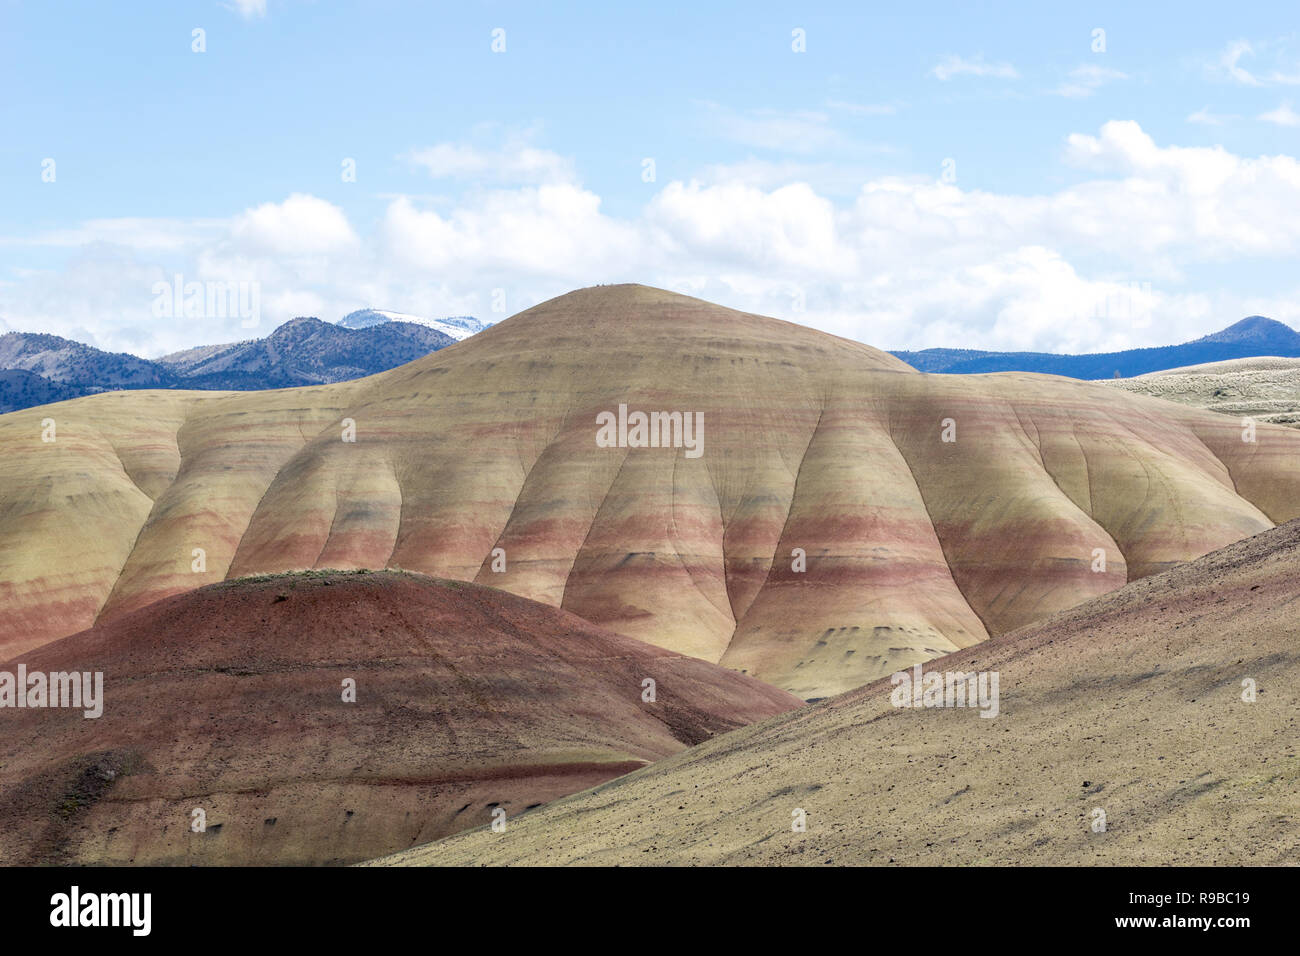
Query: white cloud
<point>1203,202</point>
<point>555,231</point>
<point>1284,307</point>
<point>248,8</point>
<point>1204,117</point>
<point>134,232</point>
<point>1229,63</point>
<point>301,225</point>
<point>896,261</point>
<point>1087,79</point>
<point>831,178</point>
<point>1028,297</point>
<point>953,65</point>
<point>1284,115</point>
<point>514,163</point>
<point>735,224</point>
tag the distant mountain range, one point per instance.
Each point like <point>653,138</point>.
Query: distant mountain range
<point>924,546</point>
<point>1249,338</point>
<point>304,352</point>
<point>36,369</point>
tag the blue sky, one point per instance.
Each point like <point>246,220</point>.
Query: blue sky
<point>952,174</point>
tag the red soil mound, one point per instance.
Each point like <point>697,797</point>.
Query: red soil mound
<point>230,699</point>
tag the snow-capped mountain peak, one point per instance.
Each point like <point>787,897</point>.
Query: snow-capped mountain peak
<point>458,326</point>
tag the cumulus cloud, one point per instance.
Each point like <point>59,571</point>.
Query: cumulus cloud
<point>555,231</point>
<point>1204,202</point>
<point>1112,260</point>
<point>953,65</point>
<point>790,227</point>
<point>301,225</point>
<point>827,177</point>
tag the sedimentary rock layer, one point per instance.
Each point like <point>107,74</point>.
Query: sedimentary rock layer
<point>847,516</point>
<point>1153,726</point>
<point>232,700</point>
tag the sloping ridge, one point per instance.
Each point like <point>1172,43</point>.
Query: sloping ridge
<point>1261,389</point>
<point>845,516</point>
<point>231,699</point>
<point>1154,725</point>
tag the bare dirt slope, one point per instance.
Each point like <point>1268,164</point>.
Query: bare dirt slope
<point>915,545</point>
<point>1130,704</point>
<point>1265,389</point>
<point>230,699</point>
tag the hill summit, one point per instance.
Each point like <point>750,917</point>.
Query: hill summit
<point>330,716</point>
<point>1264,333</point>
<point>845,516</point>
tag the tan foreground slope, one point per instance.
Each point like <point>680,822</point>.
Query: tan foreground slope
<point>231,700</point>
<point>1129,706</point>
<point>841,516</point>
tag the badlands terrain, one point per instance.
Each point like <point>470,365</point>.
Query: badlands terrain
<point>848,516</point>
<point>499,581</point>
<point>230,699</point>
<point>1132,704</point>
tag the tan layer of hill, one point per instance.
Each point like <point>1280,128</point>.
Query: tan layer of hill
<point>1265,389</point>
<point>231,699</point>
<point>1129,706</point>
<point>915,546</point>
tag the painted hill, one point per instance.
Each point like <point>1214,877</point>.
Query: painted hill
<point>230,699</point>
<point>1052,492</point>
<point>1131,704</point>
<point>1253,336</point>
